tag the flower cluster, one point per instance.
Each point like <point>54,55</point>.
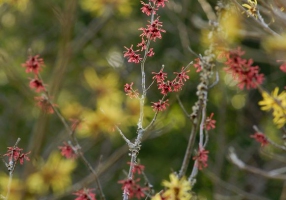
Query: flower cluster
<point>15,154</point>
<point>251,8</point>
<point>132,186</point>
<point>277,103</point>
<point>85,194</point>
<point>151,32</point>
<point>242,70</point>
<point>129,91</point>
<point>167,86</point>
<point>201,158</point>
<point>260,137</point>
<point>67,151</point>
<point>34,65</point>
<point>175,189</point>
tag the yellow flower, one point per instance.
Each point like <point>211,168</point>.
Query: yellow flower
<point>55,174</point>
<point>176,189</point>
<point>101,7</point>
<point>277,103</point>
<point>251,8</point>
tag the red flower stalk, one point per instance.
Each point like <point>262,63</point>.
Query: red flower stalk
<point>44,104</point>
<point>210,123</point>
<point>160,106</point>
<point>260,137</point>
<point>37,85</point>
<point>85,194</point>
<point>242,70</point>
<point>67,151</point>
<point>33,64</point>
<point>201,158</point>
<point>131,55</point>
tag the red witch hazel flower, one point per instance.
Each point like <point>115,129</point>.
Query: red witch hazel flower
<point>45,104</point>
<point>136,168</point>
<point>201,158</point>
<point>283,66</point>
<point>160,76</point>
<point>260,137</point>
<point>15,154</point>
<point>37,85</point>
<point>182,76</point>
<point>159,3</point>
<point>148,9</point>
<point>160,106</point>
<point>198,64</point>
<point>153,30</point>
<point>133,189</point>
<point>131,55</point>
<point>85,194</point>
<point>67,151</point>
<point>242,70</point>
<point>33,64</point>
<point>210,123</point>
<point>129,91</point>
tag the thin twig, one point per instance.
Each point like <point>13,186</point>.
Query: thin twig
<point>235,160</point>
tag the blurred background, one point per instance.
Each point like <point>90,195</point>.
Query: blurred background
<point>82,44</point>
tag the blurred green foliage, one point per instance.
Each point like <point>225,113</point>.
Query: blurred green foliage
<point>81,43</point>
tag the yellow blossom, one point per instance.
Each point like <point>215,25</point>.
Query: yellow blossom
<point>176,189</point>
<point>54,174</point>
<point>277,103</point>
<point>251,8</point>
<point>101,7</point>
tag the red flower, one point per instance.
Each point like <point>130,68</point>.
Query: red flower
<point>182,76</point>
<point>131,55</point>
<point>177,86</point>
<point>24,156</point>
<point>160,76</point>
<point>137,168</point>
<point>85,194</point>
<point>283,67</point>
<point>201,158</point>
<point>147,9</point>
<point>44,104</point>
<point>198,64</point>
<point>150,52</point>
<point>142,44</point>
<point>153,30</point>
<point>165,87</point>
<point>67,151</point>
<point>242,70</point>
<point>15,154</point>
<point>159,3</point>
<point>160,106</point>
<point>37,85</point>
<point>260,137</point>
<point>129,91</point>
<point>210,123</point>
<point>131,187</point>
<point>33,64</point>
